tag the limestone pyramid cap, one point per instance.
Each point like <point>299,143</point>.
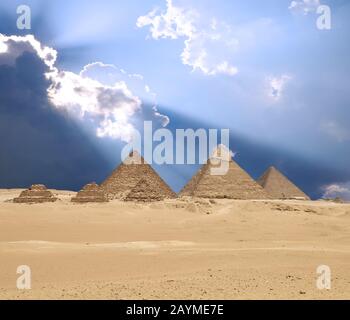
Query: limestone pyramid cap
<point>221,153</point>
<point>134,158</point>
<point>272,168</point>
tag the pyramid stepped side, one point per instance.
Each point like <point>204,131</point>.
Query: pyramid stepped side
<point>152,177</point>
<point>127,176</point>
<point>147,191</point>
<point>35,194</point>
<point>278,186</point>
<point>190,187</point>
<point>90,193</point>
<point>123,179</point>
<point>235,184</point>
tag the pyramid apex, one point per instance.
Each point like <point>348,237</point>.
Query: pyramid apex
<point>134,157</point>
<point>90,186</point>
<point>221,152</point>
<point>37,187</point>
<point>134,153</point>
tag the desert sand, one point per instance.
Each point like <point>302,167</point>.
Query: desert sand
<point>174,249</point>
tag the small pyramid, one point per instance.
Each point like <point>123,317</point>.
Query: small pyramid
<point>278,186</point>
<point>37,193</point>
<point>128,174</point>
<point>145,191</point>
<point>234,184</point>
<point>90,193</point>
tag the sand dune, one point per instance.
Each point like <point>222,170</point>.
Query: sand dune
<point>174,249</point>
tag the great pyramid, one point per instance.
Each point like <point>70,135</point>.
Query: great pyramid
<point>124,178</point>
<point>235,184</point>
<point>90,193</point>
<point>279,186</point>
<point>37,193</point>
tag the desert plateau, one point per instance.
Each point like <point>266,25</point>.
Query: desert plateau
<point>184,248</point>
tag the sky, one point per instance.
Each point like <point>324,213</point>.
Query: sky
<point>76,84</point>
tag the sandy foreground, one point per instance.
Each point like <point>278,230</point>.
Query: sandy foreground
<point>176,249</point>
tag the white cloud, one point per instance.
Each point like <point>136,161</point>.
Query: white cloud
<point>210,50</point>
<point>111,106</point>
<point>174,23</point>
<point>304,6</point>
<point>11,47</point>
<point>100,93</point>
<point>276,86</point>
<point>341,190</point>
<point>336,131</point>
<point>90,67</point>
<point>207,48</point>
<point>109,75</point>
<point>3,47</point>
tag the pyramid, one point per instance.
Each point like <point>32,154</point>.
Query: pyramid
<point>279,186</point>
<point>234,184</point>
<point>37,193</point>
<point>90,193</point>
<point>145,191</point>
<point>125,177</point>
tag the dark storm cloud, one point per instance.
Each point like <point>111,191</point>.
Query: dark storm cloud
<point>39,144</point>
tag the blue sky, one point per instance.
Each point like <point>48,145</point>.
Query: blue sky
<point>261,68</point>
